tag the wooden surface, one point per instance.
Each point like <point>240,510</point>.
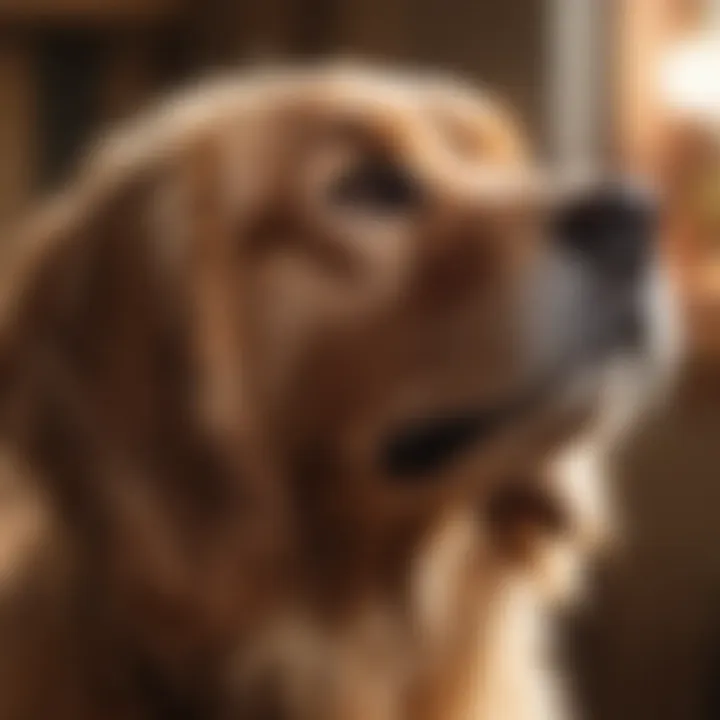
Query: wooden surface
<point>34,11</point>
<point>129,79</point>
<point>17,128</point>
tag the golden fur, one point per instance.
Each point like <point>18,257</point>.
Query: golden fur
<point>198,356</point>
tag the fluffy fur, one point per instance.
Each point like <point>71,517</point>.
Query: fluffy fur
<point>201,354</point>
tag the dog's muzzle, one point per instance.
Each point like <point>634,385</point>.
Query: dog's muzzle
<point>586,304</point>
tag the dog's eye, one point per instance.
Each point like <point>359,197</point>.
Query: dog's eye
<point>379,186</point>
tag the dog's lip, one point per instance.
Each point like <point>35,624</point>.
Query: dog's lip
<point>420,447</point>
<point>423,446</point>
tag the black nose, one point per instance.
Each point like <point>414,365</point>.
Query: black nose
<point>612,228</point>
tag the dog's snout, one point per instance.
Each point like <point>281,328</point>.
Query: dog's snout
<point>611,228</point>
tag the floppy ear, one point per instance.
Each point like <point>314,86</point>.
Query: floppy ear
<point>92,322</point>
<point>123,378</point>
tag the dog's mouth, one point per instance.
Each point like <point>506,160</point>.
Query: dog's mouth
<point>518,512</point>
<point>420,448</point>
<point>423,446</point>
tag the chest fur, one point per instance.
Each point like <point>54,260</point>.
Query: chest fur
<point>465,643</point>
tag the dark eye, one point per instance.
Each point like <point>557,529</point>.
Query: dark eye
<point>379,186</point>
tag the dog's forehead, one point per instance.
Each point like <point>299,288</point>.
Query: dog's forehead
<point>386,104</point>
<point>405,108</point>
<point>478,124</point>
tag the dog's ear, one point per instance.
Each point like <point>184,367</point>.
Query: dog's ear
<point>123,376</point>
<point>94,312</point>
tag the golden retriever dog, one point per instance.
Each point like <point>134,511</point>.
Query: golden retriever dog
<point>306,380</point>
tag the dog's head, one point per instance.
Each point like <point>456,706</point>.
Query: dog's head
<point>426,310</point>
<point>352,291</point>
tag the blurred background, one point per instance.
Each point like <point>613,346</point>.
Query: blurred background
<point>619,84</point>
